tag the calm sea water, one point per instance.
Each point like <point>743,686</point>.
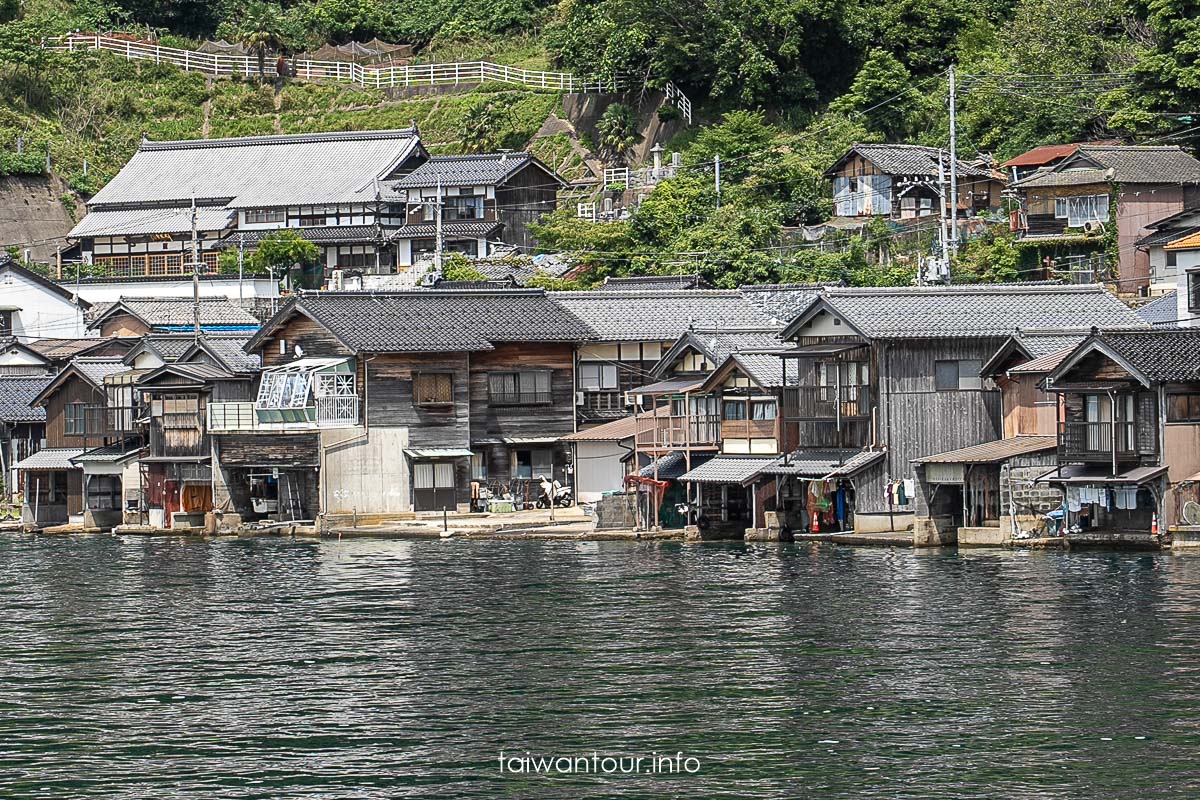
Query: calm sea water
<point>140,668</point>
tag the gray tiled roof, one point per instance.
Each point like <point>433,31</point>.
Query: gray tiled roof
<point>260,171</point>
<point>110,453</point>
<point>1043,344</point>
<point>168,346</point>
<point>660,316</point>
<point>764,369</point>
<point>660,282</point>
<point>672,465</point>
<point>476,170</point>
<point>978,310</point>
<point>322,234</point>
<point>822,463</point>
<point>1166,236</point>
<point>163,312</point>
<point>431,320</point>
<point>1161,312</point>
<point>728,469</point>
<point>230,350</point>
<point>783,301</point>
<point>1160,355</point>
<point>50,458</point>
<point>142,221</point>
<point>1129,164</point>
<point>424,230</point>
<point>16,394</point>
<point>911,159</point>
<point>97,369</point>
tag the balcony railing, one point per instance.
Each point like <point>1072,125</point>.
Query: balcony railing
<point>326,412</point>
<point>1096,441</point>
<point>748,429</point>
<point>827,402</point>
<point>603,401</point>
<point>679,431</point>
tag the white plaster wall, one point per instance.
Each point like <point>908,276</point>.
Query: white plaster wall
<point>598,469</point>
<point>112,290</point>
<point>44,314</point>
<point>365,471</point>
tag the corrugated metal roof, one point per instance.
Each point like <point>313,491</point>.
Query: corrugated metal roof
<point>109,454</point>
<point>1043,364</point>
<point>261,171</point>
<point>50,458</point>
<point>152,220</point>
<point>1098,475</point>
<point>992,452</point>
<point>473,170</point>
<point>1043,154</point>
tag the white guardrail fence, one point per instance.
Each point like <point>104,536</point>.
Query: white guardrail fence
<point>379,76</point>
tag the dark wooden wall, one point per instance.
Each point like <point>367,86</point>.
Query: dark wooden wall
<point>73,390</point>
<point>524,198</point>
<point>388,397</point>
<point>300,330</point>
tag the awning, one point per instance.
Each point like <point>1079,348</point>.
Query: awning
<point>437,452</point>
<point>1094,475</point>
<point>109,454</point>
<point>822,464</point>
<point>824,349</point>
<point>992,452</point>
<point>529,439</point>
<point>670,386</point>
<point>728,469</point>
<point>55,458</point>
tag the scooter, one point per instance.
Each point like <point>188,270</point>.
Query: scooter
<point>554,492</point>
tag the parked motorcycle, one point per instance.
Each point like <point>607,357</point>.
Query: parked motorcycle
<point>554,492</point>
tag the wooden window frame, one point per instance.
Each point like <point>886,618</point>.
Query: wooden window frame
<point>519,397</point>
<point>1192,415</point>
<point>419,377</point>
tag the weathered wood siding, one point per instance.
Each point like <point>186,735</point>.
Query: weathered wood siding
<point>1028,410</point>
<point>528,421</point>
<point>268,449</point>
<point>917,420</point>
<point>388,396</point>
<point>300,330</point>
<point>72,390</point>
<point>123,325</point>
<point>524,198</point>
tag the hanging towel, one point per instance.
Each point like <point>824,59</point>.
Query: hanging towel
<point>901,497</point>
<point>1073,501</point>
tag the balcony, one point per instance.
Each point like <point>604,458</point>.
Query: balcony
<point>102,421</point>
<point>603,404</point>
<point>1096,441</point>
<point>748,429</point>
<point>678,432</point>
<point>325,412</point>
<point>827,402</point>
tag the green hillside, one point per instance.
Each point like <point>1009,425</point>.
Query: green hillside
<point>779,88</point>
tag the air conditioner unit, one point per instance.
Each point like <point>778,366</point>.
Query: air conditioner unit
<point>337,280</point>
<point>579,398</point>
<point>629,398</point>
<point>1093,226</point>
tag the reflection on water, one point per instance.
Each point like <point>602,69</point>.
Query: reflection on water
<point>135,668</point>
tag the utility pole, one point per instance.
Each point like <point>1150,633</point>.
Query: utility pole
<point>953,166</point>
<point>241,264</point>
<point>717,177</point>
<point>945,235</point>
<point>195,272</point>
<point>437,247</point>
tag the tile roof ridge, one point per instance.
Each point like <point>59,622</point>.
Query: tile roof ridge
<point>969,288</point>
<point>481,156</point>
<point>149,145</point>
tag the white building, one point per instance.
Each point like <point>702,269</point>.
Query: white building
<point>34,307</point>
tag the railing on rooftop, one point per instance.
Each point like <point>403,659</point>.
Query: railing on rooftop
<point>326,412</point>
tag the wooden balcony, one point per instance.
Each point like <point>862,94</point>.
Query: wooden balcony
<point>748,429</point>
<point>827,402</point>
<point>1097,442</point>
<point>678,432</point>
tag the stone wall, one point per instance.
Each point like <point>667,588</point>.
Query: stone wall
<point>616,512</point>
<point>1016,486</point>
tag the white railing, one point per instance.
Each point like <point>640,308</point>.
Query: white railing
<point>331,412</point>
<point>374,75</point>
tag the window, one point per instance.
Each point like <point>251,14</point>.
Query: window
<point>1193,287</point>
<point>433,389</point>
<point>356,257</point>
<point>284,388</point>
<point>1172,258</point>
<point>479,467</point>
<point>762,409</point>
<point>733,409</point>
<point>1060,208</point>
<point>597,377</point>
<point>1183,407</point>
<point>6,325</point>
<point>463,208</point>
<point>533,463</point>
<point>75,419</point>
<point>519,388</point>
<point>265,215</point>
<point>949,376</point>
<point>104,492</point>
<point>1086,208</point>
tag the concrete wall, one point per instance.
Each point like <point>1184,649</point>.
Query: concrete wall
<point>365,474</point>
<point>30,211</point>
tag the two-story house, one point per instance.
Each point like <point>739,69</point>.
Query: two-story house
<point>901,181</point>
<point>1128,433</point>
<point>35,307</point>
<point>1164,266</point>
<point>176,467</point>
<point>486,200</point>
<point>79,418</point>
<point>1072,206</point>
<point>917,355</point>
<point>324,185</point>
<point>399,402</point>
<point>138,316</point>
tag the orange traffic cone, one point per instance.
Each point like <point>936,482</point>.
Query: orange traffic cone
<point>816,522</point>
<point>1154,524</point>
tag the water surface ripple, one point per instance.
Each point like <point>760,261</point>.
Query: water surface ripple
<point>270,668</point>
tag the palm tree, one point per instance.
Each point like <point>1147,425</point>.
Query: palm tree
<point>262,30</point>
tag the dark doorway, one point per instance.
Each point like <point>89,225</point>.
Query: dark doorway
<point>433,485</point>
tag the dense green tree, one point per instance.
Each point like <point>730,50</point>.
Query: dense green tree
<point>617,127</point>
<point>262,31</point>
